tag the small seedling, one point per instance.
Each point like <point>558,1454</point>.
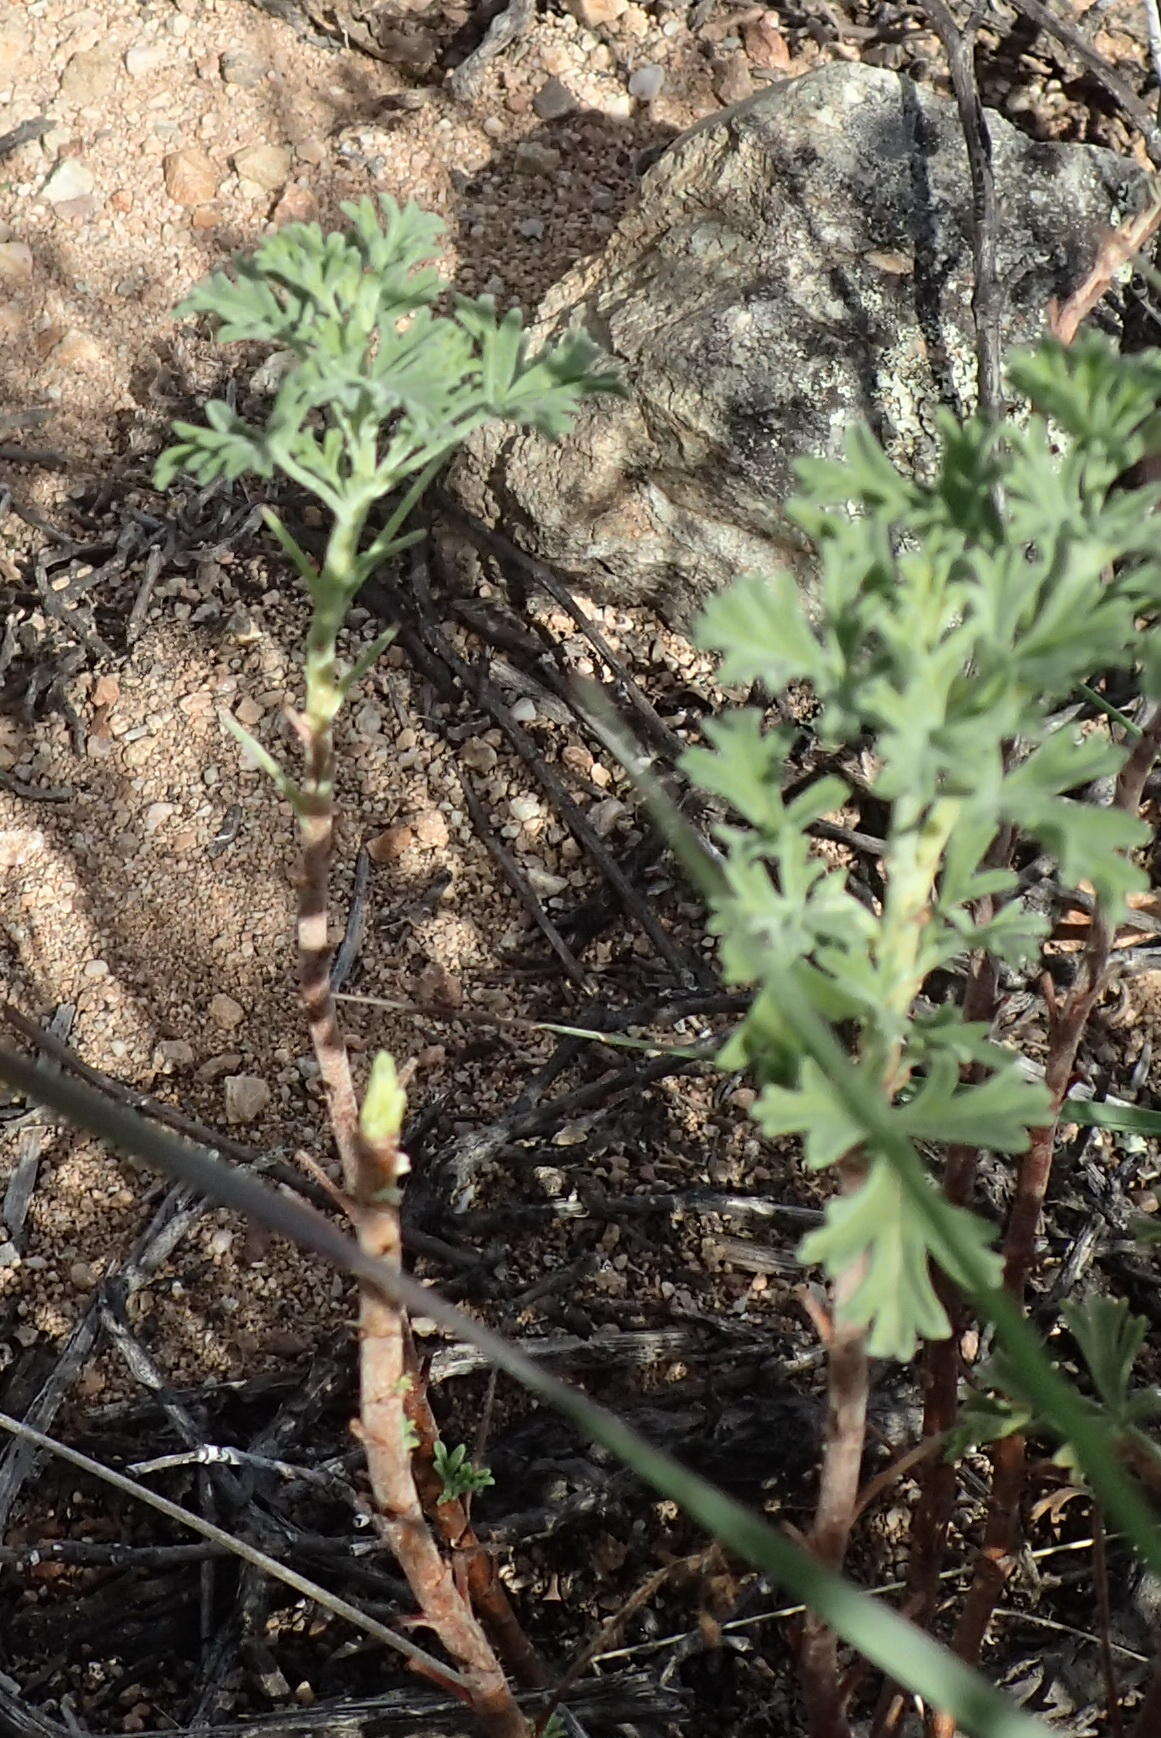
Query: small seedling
<point>460,1477</point>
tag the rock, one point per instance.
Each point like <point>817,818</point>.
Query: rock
<point>265,166</point>
<point>553,101</point>
<point>646,82</point>
<point>593,13</point>
<point>246,1097</point>
<point>226,1012</point>
<point>532,158</point>
<point>239,66</point>
<point>15,264</point>
<point>145,57</point>
<point>792,266</point>
<point>732,80</point>
<point>191,175</point>
<point>71,179</point>
<point>174,1053</point>
<point>440,987</point>
<point>74,349</point>
<point>391,845</point>
<point>89,78</point>
<point>14,45</point>
<point>431,830</point>
<point>297,205</point>
<point>478,755</point>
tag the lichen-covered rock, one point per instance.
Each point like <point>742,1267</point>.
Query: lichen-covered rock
<point>793,265</point>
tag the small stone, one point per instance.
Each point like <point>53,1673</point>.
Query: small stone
<point>478,755</point>
<point>226,1012</point>
<point>765,43</point>
<point>15,263</point>
<point>265,166</point>
<point>75,349</point>
<point>732,80</point>
<point>106,690</point>
<point>214,1067</point>
<point>543,882</point>
<point>246,1097</point>
<point>431,830</point>
<point>646,82</point>
<point>96,969</point>
<point>191,176</point>
<point>531,228</point>
<point>440,987</point>
<point>18,845</point>
<point>391,845</point>
<point>553,101</point>
<point>83,1275</point>
<point>368,719</point>
<point>248,712</point>
<point>603,816</point>
<point>145,57</point>
<point>239,66</point>
<point>525,809</point>
<point>524,710</point>
<point>14,44</point>
<point>536,159</point>
<point>157,814</point>
<point>71,179</point>
<point>88,79</point>
<point>297,205</point>
<point>9,1254</point>
<point>174,1053</point>
<point>593,13</point>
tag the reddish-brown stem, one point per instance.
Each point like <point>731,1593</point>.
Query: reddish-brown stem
<point>1067,1020</point>
<point>371,1173</point>
<point>838,1497</point>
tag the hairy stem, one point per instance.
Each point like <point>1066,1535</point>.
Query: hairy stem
<point>838,1495</point>
<point>371,1173</point>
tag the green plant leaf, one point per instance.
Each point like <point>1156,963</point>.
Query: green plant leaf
<point>875,1228</point>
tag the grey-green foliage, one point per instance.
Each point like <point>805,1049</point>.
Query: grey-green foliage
<point>1109,1338</point>
<point>949,622</point>
<point>380,383</point>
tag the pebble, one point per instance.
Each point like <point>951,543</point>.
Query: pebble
<point>439,986</point>
<point>431,830</point>
<point>297,205</point>
<point>603,816</point>
<point>531,228</point>
<point>553,101</point>
<point>89,78</point>
<point>226,1012</point>
<point>15,263</point>
<point>646,82</point>
<point>71,179</point>
<point>239,66</point>
<point>13,46</point>
<point>525,809</point>
<point>593,13</point>
<point>248,712</point>
<point>175,1053</point>
<point>524,710</point>
<point>96,969</point>
<point>247,1096</point>
<point>191,175</point>
<point>732,79</point>
<point>543,882</point>
<point>83,1275</point>
<point>157,814</point>
<point>478,755</point>
<point>391,845</point>
<point>533,158</point>
<point>145,57</point>
<point>266,167</point>
<point>214,1067</point>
